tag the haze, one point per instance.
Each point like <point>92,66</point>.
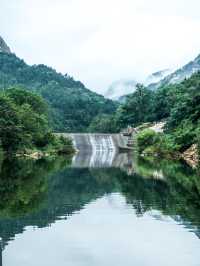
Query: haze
<point>100,41</point>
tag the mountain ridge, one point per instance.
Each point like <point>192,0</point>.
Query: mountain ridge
<point>119,89</point>
<point>4,48</point>
<point>72,106</point>
<point>179,75</point>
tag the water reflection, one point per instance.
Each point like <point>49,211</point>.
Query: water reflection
<point>102,159</point>
<point>51,195</point>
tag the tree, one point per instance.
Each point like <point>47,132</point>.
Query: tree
<point>103,124</point>
<point>10,124</point>
<point>22,122</point>
<point>137,109</point>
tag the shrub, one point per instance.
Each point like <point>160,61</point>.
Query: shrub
<point>184,135</point>
<point>146,138</point>
<point>66,145</point>
<point>152,143</point>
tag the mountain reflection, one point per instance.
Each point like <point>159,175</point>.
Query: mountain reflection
<point>40,193</point>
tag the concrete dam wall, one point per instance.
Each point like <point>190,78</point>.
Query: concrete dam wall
<point>97,142</point>
<point>99,150</point>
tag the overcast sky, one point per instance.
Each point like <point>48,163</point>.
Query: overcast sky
<point>100,41</point>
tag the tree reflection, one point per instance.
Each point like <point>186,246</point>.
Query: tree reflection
<point>38,193</point>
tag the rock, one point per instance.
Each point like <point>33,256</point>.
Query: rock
<point>191,156</point>
<point>35,155</point>
<point>158,127</point>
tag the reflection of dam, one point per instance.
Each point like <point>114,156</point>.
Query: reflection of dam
<point>102,159</point>
<point>100,150</point>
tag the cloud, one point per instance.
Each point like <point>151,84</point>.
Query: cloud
<point>101,41</point>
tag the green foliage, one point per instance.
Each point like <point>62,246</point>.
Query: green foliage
<point>185,135</point>
<point>146,138</point>
<point>152,143</point>
<point>10,124</point>
<point>62,145</point>
<point>103,124</point>
<point>22,97</point>
<point>175,191</point>
<point>39,193</point>
<point>178,104</point>
<point>24,124</point>
<point>72,107</point>
<point>24,184</point>
<point>183,122</point>
<point>137,108</point>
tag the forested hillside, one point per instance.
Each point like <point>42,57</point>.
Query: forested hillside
<point>178,105</point>
<point>72,107</point>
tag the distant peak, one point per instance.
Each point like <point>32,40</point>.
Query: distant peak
<point>161,72</point>
<point>157,76</point>
<point>4,48</point>
<point>197,59</point>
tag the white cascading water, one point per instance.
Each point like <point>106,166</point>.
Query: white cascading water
<point>95,150</point>
<point>103,150</point>
<point>99,150</point>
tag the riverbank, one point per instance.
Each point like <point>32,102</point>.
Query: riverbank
<point>59,146</point>
<point>152,140</point>
<point>24,127</point>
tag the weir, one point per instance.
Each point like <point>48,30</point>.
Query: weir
<point>99,150</point>
<point>98,142</point>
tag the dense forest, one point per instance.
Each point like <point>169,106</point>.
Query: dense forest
<point>72,107</point>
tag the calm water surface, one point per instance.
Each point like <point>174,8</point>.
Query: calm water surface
<point>141,213</point>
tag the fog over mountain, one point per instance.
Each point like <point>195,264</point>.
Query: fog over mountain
<point>118,89</point>
<point>121,88</point>
<point>157,76</point>
<point>179,75</point>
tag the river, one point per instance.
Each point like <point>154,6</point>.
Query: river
<point>125,212</point>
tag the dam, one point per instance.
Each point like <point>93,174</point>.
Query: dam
<point>100,150</point>
<point>98,142</point>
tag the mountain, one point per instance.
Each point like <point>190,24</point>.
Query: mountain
<point>120,88</point>
<point>4,47</point>
<point>72,107</point>
<point>179,75</point>
<point>157,76</point>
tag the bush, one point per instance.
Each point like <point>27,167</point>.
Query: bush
<point>185,135</point>
<point>66,145</point>
<point>46,139</point>
<point>146,138</point>
<point>152,143</point>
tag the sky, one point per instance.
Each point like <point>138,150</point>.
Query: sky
<point>101,41</point>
